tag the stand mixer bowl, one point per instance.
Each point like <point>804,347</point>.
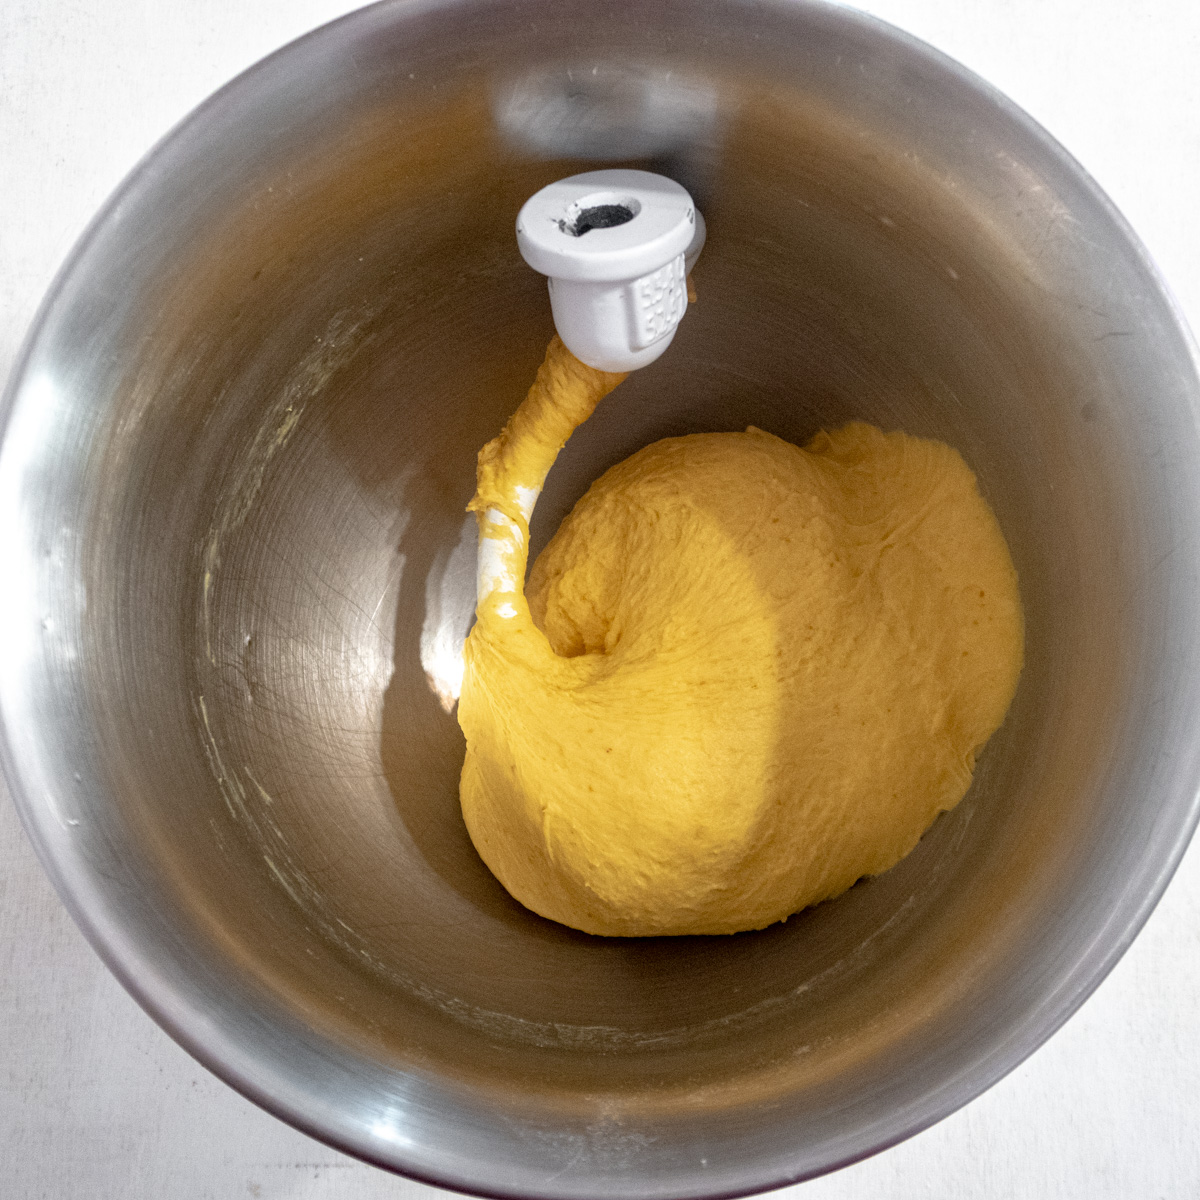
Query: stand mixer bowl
<point>237,453</point>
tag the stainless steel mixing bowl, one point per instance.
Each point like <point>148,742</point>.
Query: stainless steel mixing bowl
<point>238,449</point>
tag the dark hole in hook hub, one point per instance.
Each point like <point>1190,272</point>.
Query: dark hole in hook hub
<point>599,216</point>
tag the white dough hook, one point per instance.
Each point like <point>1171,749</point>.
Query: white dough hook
<point>617,247</point>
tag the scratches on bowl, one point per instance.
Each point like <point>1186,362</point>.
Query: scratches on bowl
<point>231,789</point>
<point>343,336</point>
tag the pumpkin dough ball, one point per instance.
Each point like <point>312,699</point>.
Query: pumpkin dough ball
<point>746,675</point>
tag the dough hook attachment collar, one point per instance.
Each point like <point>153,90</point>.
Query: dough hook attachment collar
<point>617,247</point>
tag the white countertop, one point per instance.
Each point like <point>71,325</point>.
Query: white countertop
<point>97,1103</point>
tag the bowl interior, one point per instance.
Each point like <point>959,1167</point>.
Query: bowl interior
<point>238,461</point>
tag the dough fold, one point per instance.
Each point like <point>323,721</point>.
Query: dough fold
<point>745,675</point>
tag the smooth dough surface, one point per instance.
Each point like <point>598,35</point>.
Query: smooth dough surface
<point>747,674</point>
